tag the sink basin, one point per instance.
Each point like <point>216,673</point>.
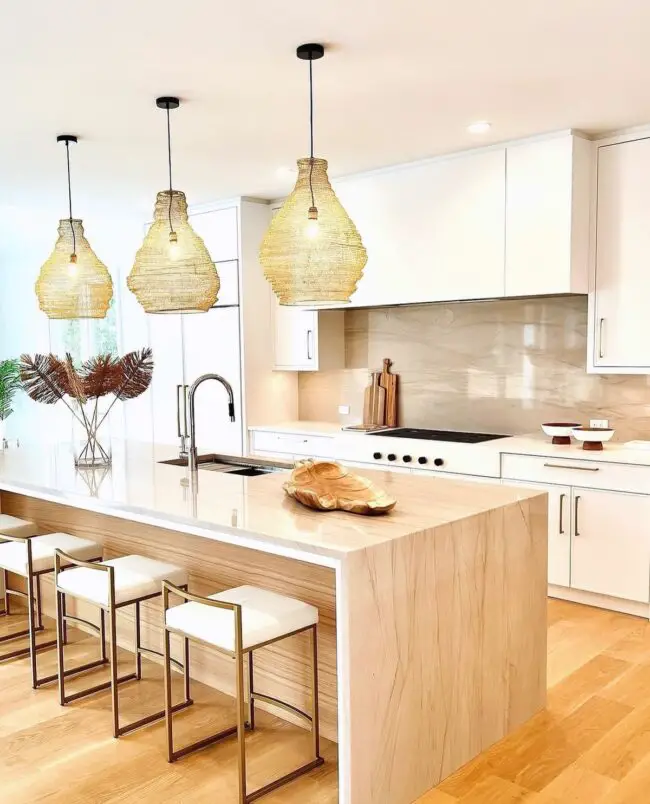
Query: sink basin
<point>232,465</point>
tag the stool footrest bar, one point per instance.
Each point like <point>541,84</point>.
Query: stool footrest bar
<point>289,777</point>
<point>145,721</point>
<point>16,654</point>
<point>19,634</point>
<point>197,746</point>
<point>69,618</point>
<point>98,688</point>
<point>73,671</point>
<point>257,696</point>
<point>158,655</point>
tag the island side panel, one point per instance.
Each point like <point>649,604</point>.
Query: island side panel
<point>446,637</point>
<point>282,671</point>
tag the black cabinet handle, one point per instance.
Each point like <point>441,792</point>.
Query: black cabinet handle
<point>562,496</point>
<point>577,531</point>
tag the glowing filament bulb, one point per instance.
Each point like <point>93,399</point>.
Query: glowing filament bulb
<point>72,265</point>
<point>174,250</point>
<point>313,227</point>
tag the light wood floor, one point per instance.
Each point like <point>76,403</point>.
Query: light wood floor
<point>592,743</point>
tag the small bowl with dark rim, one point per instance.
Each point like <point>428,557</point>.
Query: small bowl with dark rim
<point>560,432</point>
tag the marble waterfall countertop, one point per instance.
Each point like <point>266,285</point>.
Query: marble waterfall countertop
<point>251,511</point>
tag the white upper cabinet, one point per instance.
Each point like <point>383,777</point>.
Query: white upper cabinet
<point>547,216</point>
<point>620,293</point>
<point>219,230</point>
<point>307,340</point>
<point>433,231</point>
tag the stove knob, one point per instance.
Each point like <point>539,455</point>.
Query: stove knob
<point>422,460</point>
<point>377,456</point>
<point>392,457</point>
<point>438,462</point>
<point>407,459</point>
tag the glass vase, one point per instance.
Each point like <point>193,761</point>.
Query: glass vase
<point>91,435</point>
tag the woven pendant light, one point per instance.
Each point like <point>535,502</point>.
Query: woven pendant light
<point>312,253</point>
<point>173,271</point>
<point>73,282</point>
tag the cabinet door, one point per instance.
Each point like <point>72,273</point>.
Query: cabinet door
<point>559,529</point>
<point>621,323</point>
<point>296,334</point>
<point>211,345</point>
<point>165,338</point>
<point>433,232</point>
<point>547,216</point>
<point>611,544</point>
<point>219,231</point>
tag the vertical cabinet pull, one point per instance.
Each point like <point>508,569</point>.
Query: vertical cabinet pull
<point>575,517</point>
<point>601,326</point>
<point>178,410</point>
<point>562,496</point>
<point>309,341</point>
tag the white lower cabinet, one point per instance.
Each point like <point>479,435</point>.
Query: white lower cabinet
<point>559,530</point>
<point>610,551</point>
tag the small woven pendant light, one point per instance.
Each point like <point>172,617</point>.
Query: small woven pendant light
<point>312,253</point>
<point>173,271</point>
<point>73,281</point>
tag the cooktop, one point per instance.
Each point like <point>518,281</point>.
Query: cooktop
<point>439,435</point>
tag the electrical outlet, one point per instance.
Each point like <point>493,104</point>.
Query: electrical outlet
<point>344,410</point>
<point>600,423</point>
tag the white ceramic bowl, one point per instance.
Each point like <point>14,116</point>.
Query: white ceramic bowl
<point>592,437</point>
<point>560,432</point>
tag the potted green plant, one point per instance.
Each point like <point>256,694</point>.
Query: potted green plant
<point>9,384</point>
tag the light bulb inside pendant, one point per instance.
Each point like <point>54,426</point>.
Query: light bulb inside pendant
<point>73,268</point>
<point>313,227</point>
<point>174,248</point>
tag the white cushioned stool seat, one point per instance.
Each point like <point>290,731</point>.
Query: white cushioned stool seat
<point>13,555</point>
<point>265,616</point>
<point>12,526</point>
<point>135,577</point>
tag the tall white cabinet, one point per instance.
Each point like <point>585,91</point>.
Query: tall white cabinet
<point>620,289</point>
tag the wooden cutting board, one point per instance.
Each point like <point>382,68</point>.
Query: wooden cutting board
<point>388,382</point>
<point>374,401</point>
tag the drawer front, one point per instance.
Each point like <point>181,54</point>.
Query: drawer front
<point>572,472</point>
<point>293,444</point>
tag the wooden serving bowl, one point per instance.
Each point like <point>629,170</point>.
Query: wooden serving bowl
<point>328,486</point>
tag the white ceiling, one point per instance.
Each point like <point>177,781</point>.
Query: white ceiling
<point>400,81</point>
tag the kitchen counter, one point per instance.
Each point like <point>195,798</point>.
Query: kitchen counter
<point>534,444</point>
<point>433,618</point>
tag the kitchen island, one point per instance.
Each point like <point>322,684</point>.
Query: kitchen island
<point>433,618</point>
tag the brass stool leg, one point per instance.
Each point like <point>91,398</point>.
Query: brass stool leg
<point>315,724</point>
<point>31,605</point>
<point>251,693</point>
<point>168,692</point>
<point>102,633</point>
<point>6,596</point>
<point>59,645</point>
<point>138,655</point>
<point>241,722</point>
<point>115,703</point>
<point>186,668</point>
<point>39,604</point>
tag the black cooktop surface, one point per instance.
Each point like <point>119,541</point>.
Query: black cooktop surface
<point>439,435</point>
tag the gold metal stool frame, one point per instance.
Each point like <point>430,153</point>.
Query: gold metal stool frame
<point>34,599</point>
<point>62,618</point>
<point>242,723</point>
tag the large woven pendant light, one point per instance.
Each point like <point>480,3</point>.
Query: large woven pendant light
<point>73,281</point>
<point>312,253</point>
<point>173,271</point>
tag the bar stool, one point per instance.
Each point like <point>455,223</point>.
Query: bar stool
<point>111,586</point>
<point>32,556</point>
<point>237,622</point>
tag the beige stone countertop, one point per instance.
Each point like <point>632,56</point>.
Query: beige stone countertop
<point>252,512</point>
<point>534,444</point>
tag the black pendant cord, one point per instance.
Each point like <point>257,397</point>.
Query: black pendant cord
<point>74,238</point>
<point>169,158</point>
<point>311,130</point>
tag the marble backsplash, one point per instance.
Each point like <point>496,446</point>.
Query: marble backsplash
<point>500,366</point>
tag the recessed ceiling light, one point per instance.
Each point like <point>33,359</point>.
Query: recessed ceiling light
<point>480,127</point>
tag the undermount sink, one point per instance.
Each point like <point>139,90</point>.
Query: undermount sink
<point>231,465</point>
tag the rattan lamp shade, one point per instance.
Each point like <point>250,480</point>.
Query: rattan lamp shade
<point>173,277</point>
<point>312,263</point>
<point>67,289</point>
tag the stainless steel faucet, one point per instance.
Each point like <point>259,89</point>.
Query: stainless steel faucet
<point>193,457</point>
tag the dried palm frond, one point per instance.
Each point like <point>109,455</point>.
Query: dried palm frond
<point>75,382</point>
<point>101,375</point>
<point>44,378</point>
<point>137,371</point>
